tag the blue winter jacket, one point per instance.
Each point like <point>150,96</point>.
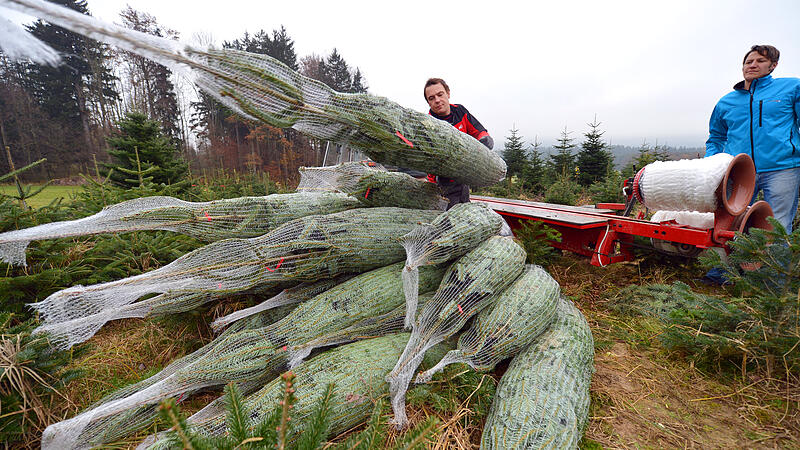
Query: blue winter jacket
<point>762,122</point>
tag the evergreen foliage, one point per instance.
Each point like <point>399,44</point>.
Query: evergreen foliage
<point>608,189</point>
<point>645,155</point>
<point>564,191</point>
<point>533,174</point>
<point>514,154</point>
<point>535,237</point>
<point>563,162</point>
<point>140,148</point>
<point>755,329</point>
<point>594,160</point>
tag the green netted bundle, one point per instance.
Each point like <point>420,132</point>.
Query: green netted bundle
<point>250,354</point>
<point>89,430</point>
<point>471,284</point>
<point>306,249</point>
<point>520,314</point>
<point>542,401</point>
<point>449,236</point>
<point>357,371</point>
<point>261,87</point>
<point>208,221</point>
<point>372,186</point>
<point>371,327</point>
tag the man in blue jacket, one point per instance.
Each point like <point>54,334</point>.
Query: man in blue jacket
<point>760,118</point>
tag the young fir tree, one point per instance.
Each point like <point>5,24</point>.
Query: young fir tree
<point>141,141</point>
<point>533,174</point>
<point>593,160</point>
<point>563,162</point>
<point>514,154</point>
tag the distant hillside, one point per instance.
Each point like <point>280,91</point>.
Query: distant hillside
<point>624,154</point>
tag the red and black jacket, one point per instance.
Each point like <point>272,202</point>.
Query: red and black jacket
<point>465,122</point>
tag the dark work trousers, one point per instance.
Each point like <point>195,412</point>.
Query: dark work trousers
<point>454,192</point>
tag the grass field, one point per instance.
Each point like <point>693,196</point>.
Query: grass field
<point>43,198</point>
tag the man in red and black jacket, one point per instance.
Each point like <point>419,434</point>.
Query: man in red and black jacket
<point>437,94</point>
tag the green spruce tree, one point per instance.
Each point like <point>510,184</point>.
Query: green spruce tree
<point>140,145</point>
<point>533,175</point>
<point>593,160</point>
<point>514,154</point>
<point>563,162</point>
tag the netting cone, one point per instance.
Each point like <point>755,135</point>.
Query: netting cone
<point>542,401</point>
<point>262,88</point>
<point>469,285</point>
<point>520,314</point>
<point>449,236</point>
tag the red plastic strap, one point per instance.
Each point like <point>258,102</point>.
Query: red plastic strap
<point>404,139</point>
<point>207,216</point>
<point>276,267</point>
<point>459,309</point>
<point>367,194</point>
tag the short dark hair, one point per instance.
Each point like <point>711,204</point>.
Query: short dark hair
<point>767,51</point>
<point>431,82</point>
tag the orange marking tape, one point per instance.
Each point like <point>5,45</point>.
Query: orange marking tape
<point>459,309</point>
<point>404,139</point>
<point>276,267</point>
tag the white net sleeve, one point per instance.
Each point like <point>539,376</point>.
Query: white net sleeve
<point>260,87</point>
<point>469,285</point>
<point>690,218</point>
<point>208,221</point>
<point>306,249</point>
<point>520,314</point>
<point>356,370</point>
<point>372,186</point>
<point>542,401</point>
<point>685,185</point>
<point>451,235</point>
<point>288,296</point>
<point>251,354</point>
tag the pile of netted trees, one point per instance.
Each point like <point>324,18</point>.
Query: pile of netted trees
<point>356,292</point>
<point>361,272</point>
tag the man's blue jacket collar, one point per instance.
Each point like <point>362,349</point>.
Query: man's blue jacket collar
<point>760,82</point>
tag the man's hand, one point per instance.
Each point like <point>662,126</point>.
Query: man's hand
<point>487,141</point>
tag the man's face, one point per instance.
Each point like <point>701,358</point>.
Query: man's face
<point>438,99</point>
<point>756,66</point>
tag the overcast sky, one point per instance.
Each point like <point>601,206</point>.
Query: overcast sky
<point>648,70</point>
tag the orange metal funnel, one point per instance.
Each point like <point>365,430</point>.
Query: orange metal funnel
<point>738,184</point>
<point>754,217</point>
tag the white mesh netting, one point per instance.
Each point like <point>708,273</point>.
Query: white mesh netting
<point>469,285</point>
<point>18,44</point>
<point>357,371</point>
<point>250,353</point>
<point>262,88</point>
<point>520,314</point>
<point>306,249</point>
<point>452,234</point>
<point>372,185</point>
<point>209,221</point>
<point>685,185</point>
<point>690,218</point>
<point>542,401</point>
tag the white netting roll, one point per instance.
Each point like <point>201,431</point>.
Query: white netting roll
<point>452,234</point>
<point>469,285</point>
<point>306,249</point>
<point>260,87</point>
<point>685,185</point>
<point>251,354</point>
<point>542,401</point>
<point>520,314</point>
<point>208,221</point>
<point>690,218</point>
<point>372,186</point>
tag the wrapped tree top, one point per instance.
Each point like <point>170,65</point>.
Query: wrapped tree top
<point>262,88</point>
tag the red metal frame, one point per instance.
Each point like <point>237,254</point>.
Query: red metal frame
<point>602,235</point>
